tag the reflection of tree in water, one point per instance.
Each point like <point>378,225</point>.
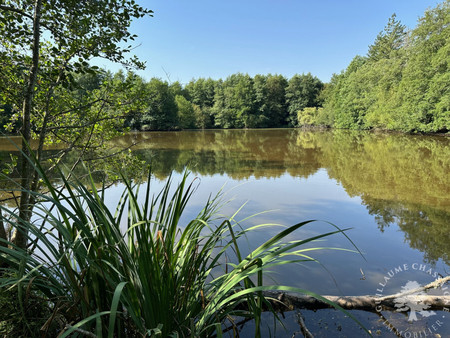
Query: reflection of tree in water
<point>426,228</point>
<point>308,153</point>
<point>240,154</point>
<point>103,168</point>
<point>401,179</point>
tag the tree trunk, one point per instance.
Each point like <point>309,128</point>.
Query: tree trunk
<point>365,303</point>
<point>285,302</point>
<point>26,170</point>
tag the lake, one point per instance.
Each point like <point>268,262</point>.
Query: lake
<point>392,191</point>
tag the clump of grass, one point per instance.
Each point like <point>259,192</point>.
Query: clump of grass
<point>152,277</point>
<point>23,313</point>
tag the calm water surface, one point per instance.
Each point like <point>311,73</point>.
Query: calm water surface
<point>392,190</point>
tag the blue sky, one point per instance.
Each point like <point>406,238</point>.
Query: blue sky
<point>216,38</point>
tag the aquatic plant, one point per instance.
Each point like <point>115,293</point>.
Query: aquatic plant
<point>140,270</point>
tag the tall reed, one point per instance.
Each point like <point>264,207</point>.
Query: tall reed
<point>137,270</point>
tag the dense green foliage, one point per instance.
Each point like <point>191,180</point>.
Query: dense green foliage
<point>45,46</point>
<point>55,40</point>
<point>239,101</point>
<point>403,82</point>
<point>302,92</point>
<point>24,304</point>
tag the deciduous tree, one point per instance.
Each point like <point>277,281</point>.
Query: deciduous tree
<point>302,91</point>
<point>43,43</point>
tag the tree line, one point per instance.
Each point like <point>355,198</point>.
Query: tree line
<point>401,84</point>
<point>239,101</point>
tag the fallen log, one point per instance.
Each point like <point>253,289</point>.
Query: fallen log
<point>287,302</point>
<point>366,303</point>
